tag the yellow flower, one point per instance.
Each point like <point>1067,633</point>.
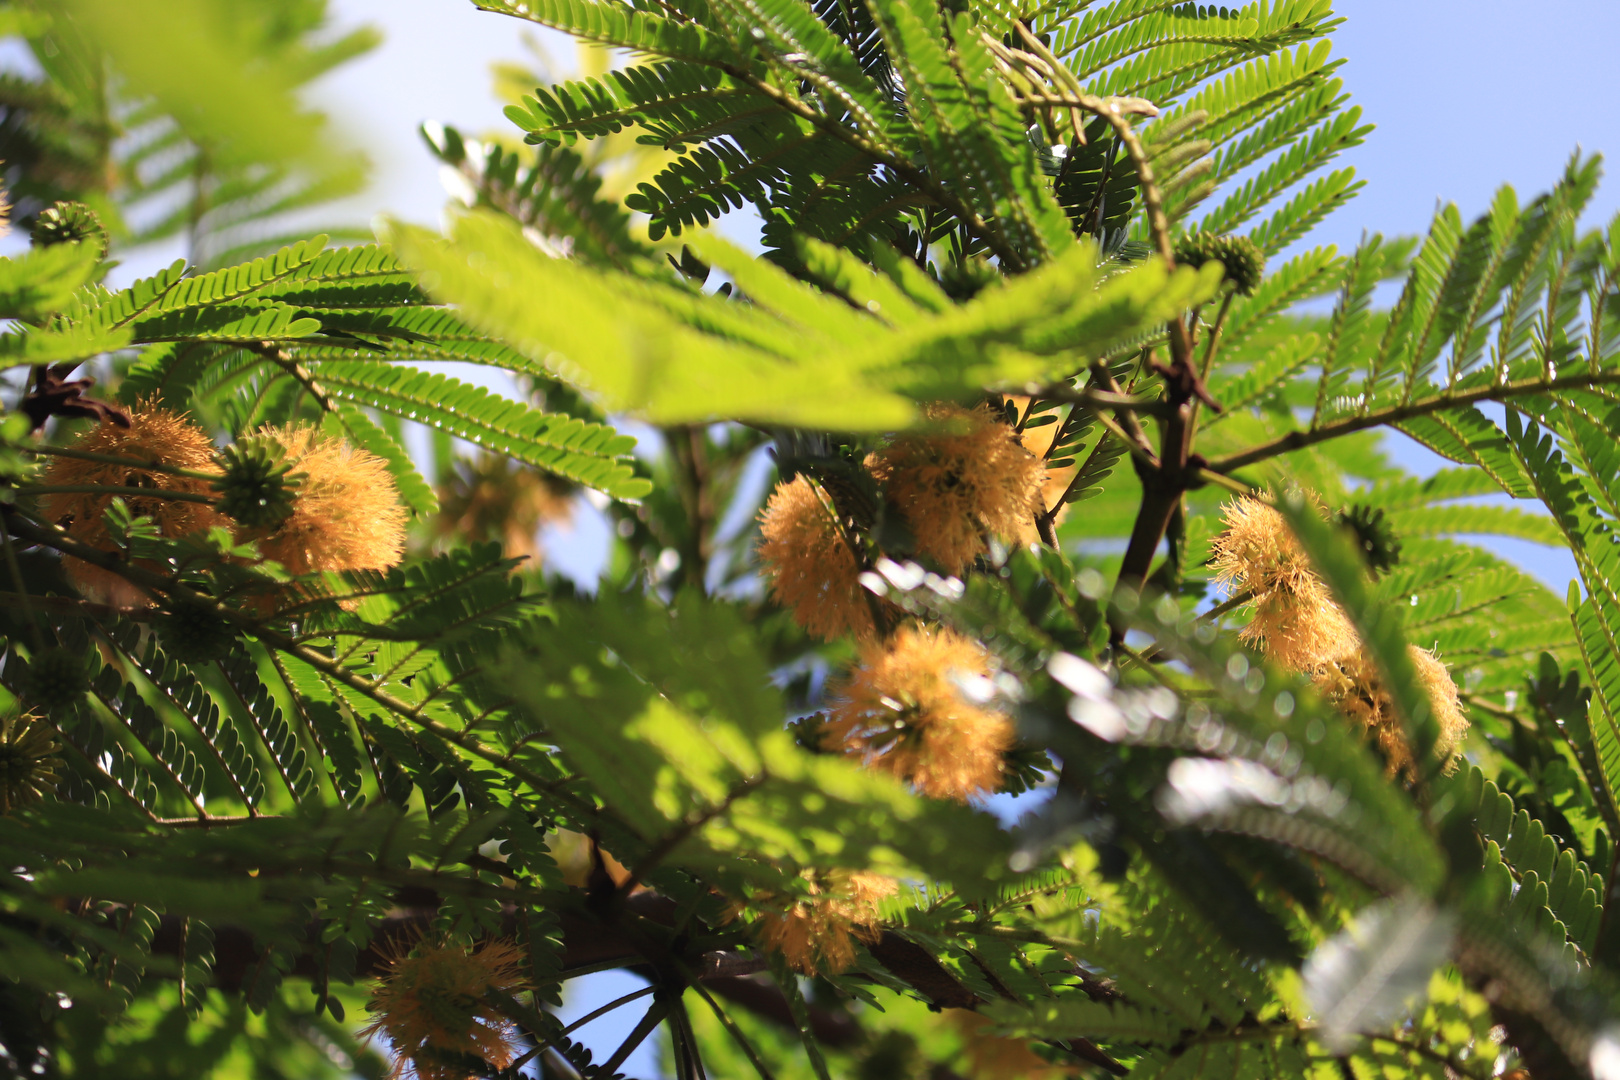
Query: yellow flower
<point>955,485</point>
<point>29,763</point>
<point>157,436</point>
<point>496,498</point>
<point>1054,482</point>
<point>809,564</point>
<point>1296,621</point>
<point>903,711</point>
<point>432,1004</point>
<point>1298,624</point>
<point>346,514</point>
<point>817,934</point>
<point>1354,687</point>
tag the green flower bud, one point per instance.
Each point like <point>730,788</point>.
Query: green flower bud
<point>1373,537</point>
<point>255,489</point>
<point>194,633</point>
<point>1240,257</point>
<point>70,223</point>
<point>55,679</point>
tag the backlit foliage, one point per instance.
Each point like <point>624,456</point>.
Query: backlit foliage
<point>1013,653</point>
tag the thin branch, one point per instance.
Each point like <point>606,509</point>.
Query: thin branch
<point>655,1016</point>
<point>166,494</point>
<point>673,839</point>
<point>1298,440</point>
<point>144,464</point>
<point>735,1032</point>
<point>1103,399</point>
<point>67,605</point>
<point>53,537</point>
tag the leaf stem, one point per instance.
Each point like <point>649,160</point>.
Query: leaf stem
<point>1298,440</point>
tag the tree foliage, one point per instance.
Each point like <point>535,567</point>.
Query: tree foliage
<point>285,727</point>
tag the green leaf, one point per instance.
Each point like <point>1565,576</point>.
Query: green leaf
<point>593,454</point>
<point>40,281</point>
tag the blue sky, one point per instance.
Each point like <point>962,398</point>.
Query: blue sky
<point>1465,96</point>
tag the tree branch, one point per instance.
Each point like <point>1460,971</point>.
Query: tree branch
<point>1298,440</point>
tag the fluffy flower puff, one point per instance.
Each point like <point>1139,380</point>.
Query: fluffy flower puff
<point>496,498</point>
<point>157,436</point>
<point>1054,482</point>
<point>810,567</point>
<point>1296,621</point>
<point>347,514</point>
<point>432,1006</point>
<point>1353,685</point>
<point>952,485</point>
<point>903,711</point>
<point>816,934</point>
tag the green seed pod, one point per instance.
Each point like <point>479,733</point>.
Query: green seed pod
<point>56,678</point>
<point>255,489</point>
<point>1373,537</point>
<point>194,633</point>
<point>29,764</point>
<point>1242,259</point>
<point>70,223</point>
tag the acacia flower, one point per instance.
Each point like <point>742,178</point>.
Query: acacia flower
<point>903,711</point>
<point>346,514</point>
<point>816,934</point>
<point>954,485</point>
<point>496,498</point>
<point>1054,482</point>
<point>433,1006</point>
<point>1354,686</point>
<point>809,564</point>
<point>1296,620</point>
<point>30,760</point>
<point>157,436</point>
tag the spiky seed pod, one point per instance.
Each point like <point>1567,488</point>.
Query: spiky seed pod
<point>1373,537</point>
<point>954,485</point>
<point>30,766</point>
<point>1240,257</point>
<point>194,633</point>
<point>904,711</point>
<point>817,934</point>
<point>70,223</point>
<point>56,679</point>
<point>1296,620</point>
<point>1353,685</point>
<point>347,514</point>
<point>155,436</point>
<point>432,1004</point>
<point>808,562</point>
<point>257,488</point>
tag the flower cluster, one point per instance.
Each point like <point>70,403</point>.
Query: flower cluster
<point>817,934</point>
<point>812,569</point>
<point>1297,623</point>
<point>966,478</point>
<point>906,710</point>
<point>158,437</point>
<point>495,498</point>
<point>343,513</point>
<point>433,1005</point>
<point>347,515</point>
<point>915,705</point>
